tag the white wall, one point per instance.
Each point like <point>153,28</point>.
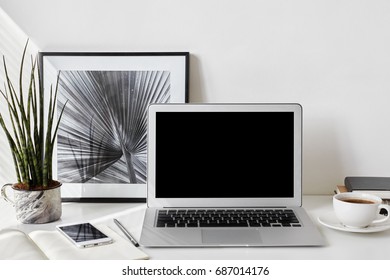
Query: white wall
<point>331,56</point>
<point>12,42</point>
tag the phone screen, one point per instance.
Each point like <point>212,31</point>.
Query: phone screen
<point>82,232</point>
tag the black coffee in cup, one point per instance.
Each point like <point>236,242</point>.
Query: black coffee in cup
<point>358,200</point>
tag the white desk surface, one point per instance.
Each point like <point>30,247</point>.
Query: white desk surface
<point>340,245</point>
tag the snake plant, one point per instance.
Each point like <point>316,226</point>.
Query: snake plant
<point>30,133</point>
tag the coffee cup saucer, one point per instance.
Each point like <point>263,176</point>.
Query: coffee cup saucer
<point>330,220</point>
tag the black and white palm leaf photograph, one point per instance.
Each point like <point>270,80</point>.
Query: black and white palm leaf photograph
<point>103,132</point>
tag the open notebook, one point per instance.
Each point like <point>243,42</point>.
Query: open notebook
<point>43,244</point>
<point>226,175</point>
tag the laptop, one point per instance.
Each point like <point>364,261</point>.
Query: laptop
<point>225,175</point>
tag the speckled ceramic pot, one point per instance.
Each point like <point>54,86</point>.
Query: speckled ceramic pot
<point>35,206</point>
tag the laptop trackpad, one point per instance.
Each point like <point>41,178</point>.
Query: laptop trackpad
<point>235,236</point>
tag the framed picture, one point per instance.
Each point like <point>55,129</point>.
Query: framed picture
<point>101,149</point>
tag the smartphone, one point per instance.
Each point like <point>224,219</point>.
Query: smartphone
<point>84,235</point>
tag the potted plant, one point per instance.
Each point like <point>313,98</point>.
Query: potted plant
<point>31,133</point>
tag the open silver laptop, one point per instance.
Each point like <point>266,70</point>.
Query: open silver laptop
<point>226,175</point>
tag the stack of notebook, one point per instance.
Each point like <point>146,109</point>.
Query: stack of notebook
<point>379,186</point>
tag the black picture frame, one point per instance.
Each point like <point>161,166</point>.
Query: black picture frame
<point>100,151</point>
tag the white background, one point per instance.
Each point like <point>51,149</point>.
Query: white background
<point>143,269</point>
<point>331,56</point>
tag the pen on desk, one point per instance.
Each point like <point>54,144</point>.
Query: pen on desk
<point>126,232</point>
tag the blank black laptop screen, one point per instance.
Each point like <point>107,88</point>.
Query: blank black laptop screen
<point>224,154</point>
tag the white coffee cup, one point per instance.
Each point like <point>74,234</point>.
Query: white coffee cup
<point>359,210</point>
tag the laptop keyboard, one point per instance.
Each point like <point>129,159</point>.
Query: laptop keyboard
<point>227,218</point>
